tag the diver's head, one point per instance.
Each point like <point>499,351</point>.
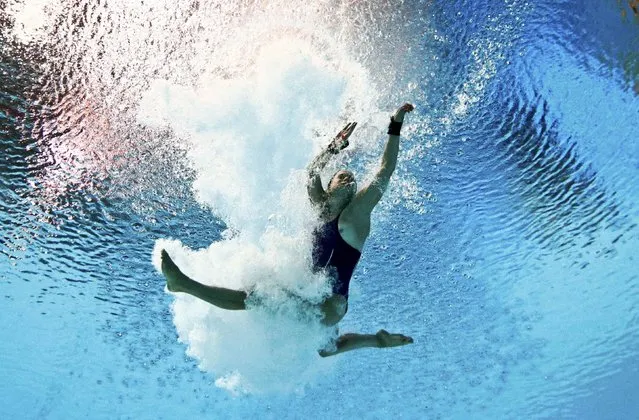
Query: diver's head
<point>341,189</point>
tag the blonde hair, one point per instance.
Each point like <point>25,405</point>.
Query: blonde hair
<point>328,186</point>
<point>352,189</point>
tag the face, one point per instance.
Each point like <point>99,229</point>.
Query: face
<point>343,186</point>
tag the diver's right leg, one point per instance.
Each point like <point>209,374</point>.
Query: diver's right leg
<point>333,309</point>
<point>176,281</point>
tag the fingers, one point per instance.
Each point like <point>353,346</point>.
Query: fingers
<point>407,107</point>
<point>343,131</point>
<point>347,131</point>
<point>347,127</point>
<point>352,128</point>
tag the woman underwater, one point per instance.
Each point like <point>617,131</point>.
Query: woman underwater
<point>345,216</point>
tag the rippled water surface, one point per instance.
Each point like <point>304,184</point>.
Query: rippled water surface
<point>506,245</point>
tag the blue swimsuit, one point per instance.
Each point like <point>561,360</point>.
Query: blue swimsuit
<point>330,251</point>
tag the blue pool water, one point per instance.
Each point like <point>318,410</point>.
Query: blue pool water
<point>505,246</point>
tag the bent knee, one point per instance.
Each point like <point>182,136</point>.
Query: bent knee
<point>333,309</point>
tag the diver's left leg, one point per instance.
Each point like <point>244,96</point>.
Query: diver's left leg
<point>176,281</point>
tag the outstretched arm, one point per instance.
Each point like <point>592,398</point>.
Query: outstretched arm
<point>314,185</point>
<point>353,341</point>
<point>370,195</point>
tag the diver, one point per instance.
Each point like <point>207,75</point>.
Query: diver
<point>338,242</point>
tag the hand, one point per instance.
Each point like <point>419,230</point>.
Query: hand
<point>386,339</point>
<point>340,141</point>
<point>402,110</point>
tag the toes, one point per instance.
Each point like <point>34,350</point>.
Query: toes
<point>167,263</point>
<point>167,260</point>
<point>403,339</point>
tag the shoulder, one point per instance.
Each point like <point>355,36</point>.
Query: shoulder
<point>354,227</point>
<point>367,198</point>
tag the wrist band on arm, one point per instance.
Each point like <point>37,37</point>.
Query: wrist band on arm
<point>394,127</point>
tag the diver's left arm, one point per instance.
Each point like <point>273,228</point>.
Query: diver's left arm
<point>352,341</point>
<point>367,198</point>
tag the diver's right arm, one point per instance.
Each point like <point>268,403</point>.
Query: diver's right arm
<point>314,183</point>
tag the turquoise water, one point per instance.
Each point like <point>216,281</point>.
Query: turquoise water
<point>506,245</point>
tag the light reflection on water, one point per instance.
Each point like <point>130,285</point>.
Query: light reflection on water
<point>505,247</point>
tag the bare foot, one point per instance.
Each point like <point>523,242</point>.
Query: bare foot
<point>174,277</point>
<point>387,339</point>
